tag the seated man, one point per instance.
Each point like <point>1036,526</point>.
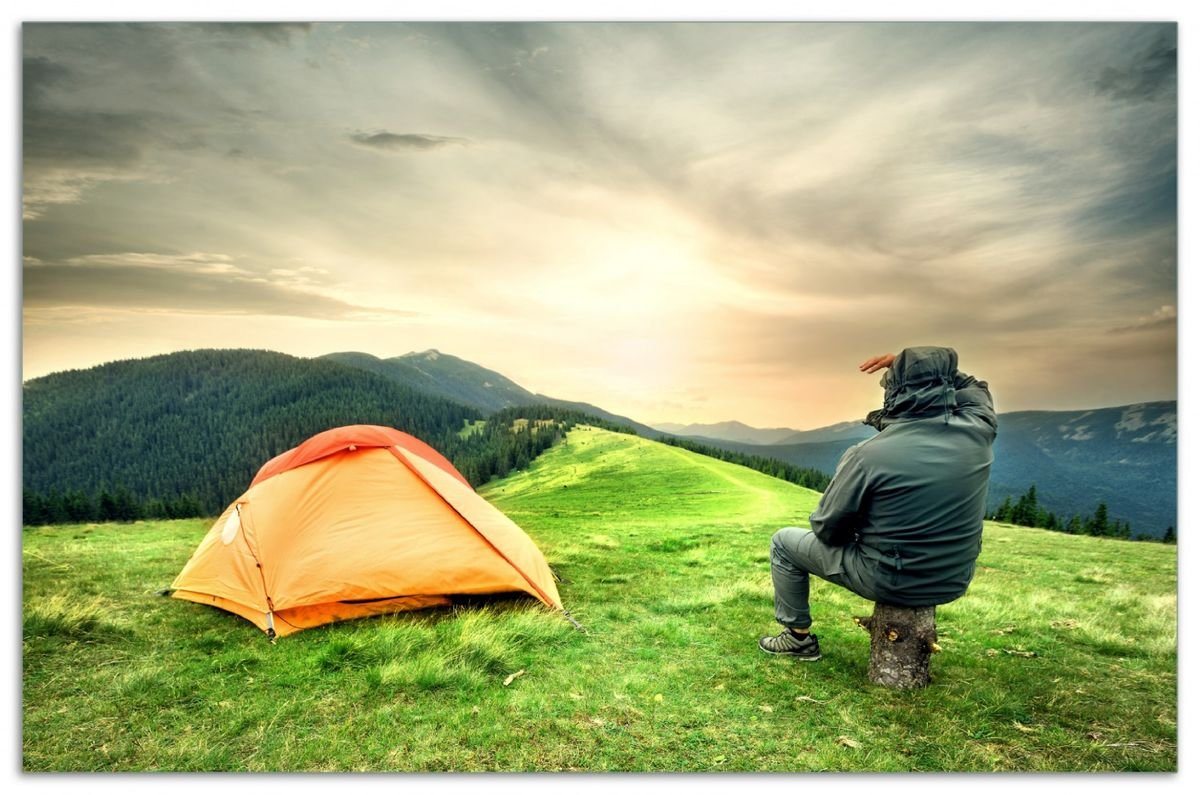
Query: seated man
<point>902,520</point>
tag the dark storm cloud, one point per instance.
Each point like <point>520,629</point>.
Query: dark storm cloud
<point>395,142</point>
<point>1152,74</point>
<point>114,102</point>
<point>206,286</point>
<point>38,74</point>
<point>70,137</point>
<point>66,150</point>
<point>1147,196</point>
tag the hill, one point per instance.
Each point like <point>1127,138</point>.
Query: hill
<point>849,431</point>
<point>1061,656</point>
<point>1125,456</point>
<point>201,423</point>
<point>445,376</point>
<point>442,375</point>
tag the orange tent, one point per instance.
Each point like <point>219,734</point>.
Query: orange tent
<point>358,521</point>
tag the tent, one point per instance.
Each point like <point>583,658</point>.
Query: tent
<point>358,521</point>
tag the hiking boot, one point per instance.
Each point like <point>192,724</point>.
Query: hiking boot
<point>804,648</point>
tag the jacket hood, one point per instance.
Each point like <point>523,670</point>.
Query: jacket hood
<point>919,384</point>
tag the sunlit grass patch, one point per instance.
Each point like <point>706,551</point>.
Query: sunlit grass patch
<point>1094,577</point>
<point>603,542</point>
<point>426,671</point>
<point>65,618</point>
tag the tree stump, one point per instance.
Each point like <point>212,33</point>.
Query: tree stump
<point>902,638</point>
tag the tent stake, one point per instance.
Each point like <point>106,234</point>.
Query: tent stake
<point>578,626</point>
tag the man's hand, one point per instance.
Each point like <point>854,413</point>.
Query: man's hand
<point>876,363</point>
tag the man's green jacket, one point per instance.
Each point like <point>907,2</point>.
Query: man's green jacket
<point>911,499</point>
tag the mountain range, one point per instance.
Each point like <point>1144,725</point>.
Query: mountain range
<point>734,431</point>
<point>205,419</point>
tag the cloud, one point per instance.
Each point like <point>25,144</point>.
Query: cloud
<point>1163,316</point>
<point>1153,73</point>
<point>120,102</point>
<point>68,151</point>
<point>275,32</point>
<point>196,262</point>
<point>38,74</point>
<point>191,283</point>
<point>390,141</point>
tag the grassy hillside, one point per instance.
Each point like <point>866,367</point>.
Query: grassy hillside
<point>1061,657</point>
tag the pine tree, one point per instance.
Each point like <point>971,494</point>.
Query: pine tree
<point>1098,524</point>
<point>33,509</point>
<point>1026,511</point>
<point>108,507</point>
<point>80,508</point>
<point>126,506</point>
<point>1005,512</point>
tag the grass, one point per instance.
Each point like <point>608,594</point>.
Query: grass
<point>471,427</point>
<point>1061,656</point>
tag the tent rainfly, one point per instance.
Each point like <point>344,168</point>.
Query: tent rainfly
<point>358,521</point>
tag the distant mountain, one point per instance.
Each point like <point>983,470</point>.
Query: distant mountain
<point>1124,456</point>
<point>732,431</point>
<point>853,430</point>
<point>442,375</point>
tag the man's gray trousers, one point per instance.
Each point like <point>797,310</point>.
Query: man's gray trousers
<point>796,553</point>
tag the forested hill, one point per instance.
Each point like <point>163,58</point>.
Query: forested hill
<point>442,375</point>
<point>201,423</point>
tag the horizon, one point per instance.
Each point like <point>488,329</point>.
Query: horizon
<point>653,423</point>
<point>671,219</point>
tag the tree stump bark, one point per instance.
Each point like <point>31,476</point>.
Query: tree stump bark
<point>902,638</point>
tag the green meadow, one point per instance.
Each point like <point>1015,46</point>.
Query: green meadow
<point>1062,657</point>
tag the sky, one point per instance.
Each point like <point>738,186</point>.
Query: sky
<point>687,222</point>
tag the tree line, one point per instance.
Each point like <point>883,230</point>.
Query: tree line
<point>1028,513</point>
<point>120,506</point>
<point>482,450</point>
